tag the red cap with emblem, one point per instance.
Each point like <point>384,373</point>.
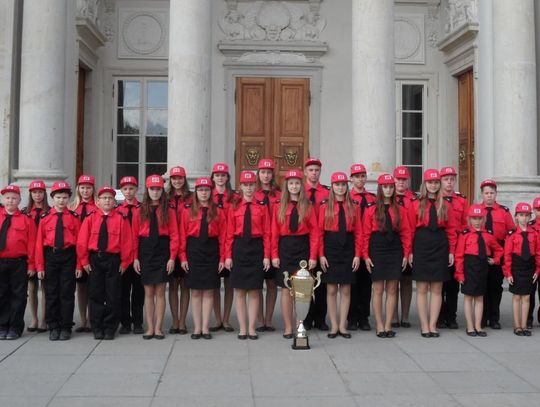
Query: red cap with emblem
<point>105,190</point>
<point>60,186</point>
<point>385,179</point>
<point>358,169</point>
<point>401,172</point>
<point>312,161</point>
<point>247,177</point>
<point>476,211</point>
<point>488,183</point>
<point>266,164</point>
<point>203,182</point>
<point>36,185</point>
<point>154,181</point>
<point>86,179</point>
<point>11,188</point>
<point>431,175</point>
<point>523,207</point>
<point>177,172</point>
<point>293,174</point>
<point>129,180</point>
<point>448,171</point>
<point>338,177</point>
<point>536,203</point>
<point>220,167</point>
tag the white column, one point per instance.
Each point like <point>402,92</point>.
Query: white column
<point>41,136</point>
<point>190,42</point>
<point>373,99</point>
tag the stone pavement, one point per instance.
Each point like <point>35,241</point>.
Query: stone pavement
<point>454,370</point>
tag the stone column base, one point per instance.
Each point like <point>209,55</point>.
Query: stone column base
<point>511,190</point>
<point>23,178</point>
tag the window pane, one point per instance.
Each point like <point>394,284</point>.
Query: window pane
<point>159,169</point>
<point>416,178</point>
<point>412,152</point>
<point>156,149</point>
<point>412,97</point>
<point>129,94</point>
<point>156,122</point>
<point>128,121</point>
<point>157,94</point>
<point>127,149</point>
<point>123,170</point>
<point>412,125</point>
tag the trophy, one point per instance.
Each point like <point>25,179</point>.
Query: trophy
<point>302,286</point>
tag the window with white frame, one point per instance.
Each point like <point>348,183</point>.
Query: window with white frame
<point>140,129</point>
<point>411,128</point>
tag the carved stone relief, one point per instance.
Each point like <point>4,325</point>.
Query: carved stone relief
<point>108,26</point>
<point>143,33</point>
<point>88,9</point>
<point>459,13</point>
<point>409,42</point>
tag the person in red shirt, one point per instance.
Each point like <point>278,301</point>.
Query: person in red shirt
<point>223,196</point>
<point>476,250</point>
<point>179,194</point>
<point>448,315</point>
<point>267,191</point>
<point>386,248</point>
<point>499,221</point>
<point>316,193</point>
<point>295,237</point>
<point>404,196</point>
<point>202,251</point>
<point>247,249</point>
<point>56,261</point>
<point>132,288</point>
<point>340,237</point>
<point>521,266</point>
<point>37,204</point>
<point>535,225</point>
<point>359,310</point>
<point>155,238</point>
<point>83,205</point>
<point>105,250</point>
<point>17,245</point>
<point>434,231</point>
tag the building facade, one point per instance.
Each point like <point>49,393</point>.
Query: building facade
<point>118,87</point>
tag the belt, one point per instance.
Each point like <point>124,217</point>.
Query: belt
<point>101,254</point>
<point>58,250</point>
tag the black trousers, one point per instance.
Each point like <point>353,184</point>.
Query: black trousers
<point>450,294</point>
<point>492,299</point>
<point>13,294</point>
<point>360,296</point>
<point>60,287</point>
<point>132,298</point>
<point>534,288</point>
<point>104,289</point>
<point>317,308</point>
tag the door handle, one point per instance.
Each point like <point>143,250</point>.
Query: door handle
<point>462,156</point>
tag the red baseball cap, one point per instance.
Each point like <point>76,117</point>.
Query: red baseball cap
<point>177,172</point>
<point>536,203</point>
<point>488,183</point>
<point>86,179</point>
<point>358,169</point>
<point>385,179</point>
<point>11,188</point>
<point>448,171</point>
<point>293,174</point>
<point>37,185</point>
<point>247,177</point>
<point>338,177</point>
<point>154,181</point>
<point>106,189</point>
<point>266,164</point>
<point>401,172</point>
<point>523,207</point>
<point>476,211</point>
<point>312,161</point>
<point>128,180</point>
<point>431,175</point>
<point>60,186</point>
<point>203,182</point>
<point>220,167</point>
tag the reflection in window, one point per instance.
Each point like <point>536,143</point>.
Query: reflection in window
<point>157,94</point>
<point>129,94</point>
<point>156,122</point>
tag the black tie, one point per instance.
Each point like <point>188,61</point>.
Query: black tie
<point>432,225</point>
<point>388,223</point>
<point>59,232</point>
<point>38,215</point>
<point>247,223</point>
<point>342,224</point>
<point>220,200</point>
<point>103,237</point>
<point>266,200</point>
<point>525,248</point>
<point>130,213</point>
<point>293,220</point>
<point>84,212</point>
<point>203,233</point>
<point>481,246</point>
<point>154,229</point>
<point>489,219</point>
<point>363,203</point>
<point>4,232</point>
<point>400,199</point>
<point>312,195</point>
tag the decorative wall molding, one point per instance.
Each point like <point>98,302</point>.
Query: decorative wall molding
<point>433,26</point>
<point>88,9</point>
<point>143,33</point>
<point>409,41</point>
<point>273,58</point>
<point>460,13</point>
<point>109,20</point>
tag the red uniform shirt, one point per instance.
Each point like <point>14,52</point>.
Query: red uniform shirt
<point>355,227</point>
<point>260,225</point>
<point>535,225</point>
<point>46,234</point>
<point>124,207</point>
<point>169,229</point>
<point>513,245</point>
<point>368,198</point>
<point>370,225</point>
<point>224,199</point>
<point>34,213</point>
<point>21,237</point>
<point>120,238</point>
<point>191,227</point>
<point>308,226</point>
<point>177,203</point>
<point>460,205</point>
<point>502,221</point>
<point>468,245</point>
<point>272,200</point>
<point>322,192</point>
<point>90,207</point>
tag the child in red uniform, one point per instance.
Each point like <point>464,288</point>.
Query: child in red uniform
<point>535,224</point>
<point>37,204</point>
<point>202,250</point>
<point>17,245</point>
<point>476,250</point>
<point>247,253</point>
<point>104,249</point>
<point>521,266</point>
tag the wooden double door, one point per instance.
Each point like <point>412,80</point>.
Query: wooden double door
<point>272,121</point>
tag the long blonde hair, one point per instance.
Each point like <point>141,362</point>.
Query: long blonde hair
<point>329,212</point>
<point>303,205</point>
<point>439,200</point>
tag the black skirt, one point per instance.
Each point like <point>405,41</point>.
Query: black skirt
<point>430,256</point>
<point>522,272</point>
<point>386,253</point>
<point>247,272</point>
<point>340,258</point>
<point>153,259</point>
<point>178,271</point>
<point>292,250</point>
<point>203,260</point>
<point>476,273</point>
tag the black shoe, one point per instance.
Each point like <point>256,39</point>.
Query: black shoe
<point>332,335</point>
<point>227,328</point>
<point>54,334</point>
<point>364,325</point>
<point>288,336</point>
<point>395,325</point>
<point>526,332</point>
<point>109,336</point>
<point>216,328</point>
<point>442,325</point>
<point>390,334</point>
<point>322,326</point>
<point>352,326</point>
<point>434,334</point>
<point>345,335</point>
<point>124,329</point>
<point>404,324</point>
<point>32,329</point>
<point>425,334</point>
<point>147,337</point>
<point>173,331</point>
<point>481,334</point>
<point>182,331</point>
<point>242,337</point>
<point>494,325</point>
<point>473,333</point>
<point>12,335</point>
<point>452,324</point>
<point>196,336</point>
<point>65,335</point>
<point>99,334</point>
<point>381,334</point>
<point>138,329</point>
<point>519,332</point>
<point>159,336</point>
<point>207,335</point>
<point>3,334</point>
<point>253,337</point>
<point>269,328</point>
<point>260,329</point>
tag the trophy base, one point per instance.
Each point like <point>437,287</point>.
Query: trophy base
<point>301,343</point>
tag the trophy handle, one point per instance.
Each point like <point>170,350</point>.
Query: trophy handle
<point>286,279</point>
<point>318,278</point>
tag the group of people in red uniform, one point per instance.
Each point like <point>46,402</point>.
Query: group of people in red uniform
<point>119,257</point>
